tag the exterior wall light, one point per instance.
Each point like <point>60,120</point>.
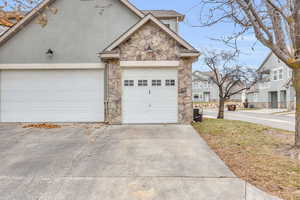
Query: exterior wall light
<point>149,49</point>
<point>50,52</point>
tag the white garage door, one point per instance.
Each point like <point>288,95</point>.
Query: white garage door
<point>150,96</point>
<point>52,95</point>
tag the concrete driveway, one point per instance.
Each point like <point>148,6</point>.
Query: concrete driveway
<point>146,162</point>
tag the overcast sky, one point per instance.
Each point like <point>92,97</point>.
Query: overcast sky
<point>199,37</point>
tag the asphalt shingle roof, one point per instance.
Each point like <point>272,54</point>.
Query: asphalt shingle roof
<point>164,13</point>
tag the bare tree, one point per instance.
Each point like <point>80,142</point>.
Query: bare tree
<point>230,78</point>
<point>19,8</point>
<point>275,23</point>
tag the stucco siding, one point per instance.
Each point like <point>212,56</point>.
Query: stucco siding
<point>172,23</point>
<point>79,31</point>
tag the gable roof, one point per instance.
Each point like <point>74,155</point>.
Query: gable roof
<point>153,19</point>
<point>202,75</point>
<point>132,8</point>
<point>264,62</point>
<point>34,12</point>
<point>165,14</point>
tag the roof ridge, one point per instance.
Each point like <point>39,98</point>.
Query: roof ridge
<point>135,27</point>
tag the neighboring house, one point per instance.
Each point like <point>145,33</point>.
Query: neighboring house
<point>274,88</point>
<point>205,90</point>
<point>124,65</point>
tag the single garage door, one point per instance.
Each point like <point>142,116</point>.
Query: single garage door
<point>52,95</point>
<point>150,96</point>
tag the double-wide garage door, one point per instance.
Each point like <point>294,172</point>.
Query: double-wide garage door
<point>52,96</point>
<point>150,96</point>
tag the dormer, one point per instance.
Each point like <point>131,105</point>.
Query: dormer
<point>170,18</point>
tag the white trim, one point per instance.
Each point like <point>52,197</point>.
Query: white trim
<point>109,55</point>
<point>133,8</point>
<point>173,63</point>
<point>189,55</point>
<point>149,17</point>
<point>54,66</point>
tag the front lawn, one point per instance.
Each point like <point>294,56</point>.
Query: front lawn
<point>257,154</point>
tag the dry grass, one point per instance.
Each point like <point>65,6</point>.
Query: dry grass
<point>256,153</point>
<point>42,126</point>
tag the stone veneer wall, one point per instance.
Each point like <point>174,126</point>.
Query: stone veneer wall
<point>114,112</point>
<point>164,48</point>
<point>185,101</point>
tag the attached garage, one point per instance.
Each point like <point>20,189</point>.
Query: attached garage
<point>58,95</point>
<point>142,76</point>
<point>150,95</point>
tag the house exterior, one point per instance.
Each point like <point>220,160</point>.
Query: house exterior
<point>123,66</point>
<point>205,90</point>
<point>274,88</point>
<point>3,29</point>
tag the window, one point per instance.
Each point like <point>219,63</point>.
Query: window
<point>195,84</point>
<point>206,84</point>
<point>156,82</point>
<point>280,74</point>
<point>275,75</point>
<point>290,74</point>
<point>196,96</point>
<point>142,82</point>
<point>128,83</point>
<point>172,83</point>
<point>168,25</point>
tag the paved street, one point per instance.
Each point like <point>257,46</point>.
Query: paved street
<point>286,122</point>
<point>159,162</point>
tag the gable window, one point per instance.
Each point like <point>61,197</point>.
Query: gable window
<point>280,74</point>
<point>156,82</point>
<point>275,75</point>
<point>129,83</point>
<point>142,83</point>
<point>206,84</point>
<point>195,84</point>
<point>171,82</point>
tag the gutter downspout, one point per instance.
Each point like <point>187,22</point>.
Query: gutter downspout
<point>106,92</point>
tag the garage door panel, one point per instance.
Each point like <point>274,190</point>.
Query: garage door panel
<point>150,104</point>
<point>52,95</point>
